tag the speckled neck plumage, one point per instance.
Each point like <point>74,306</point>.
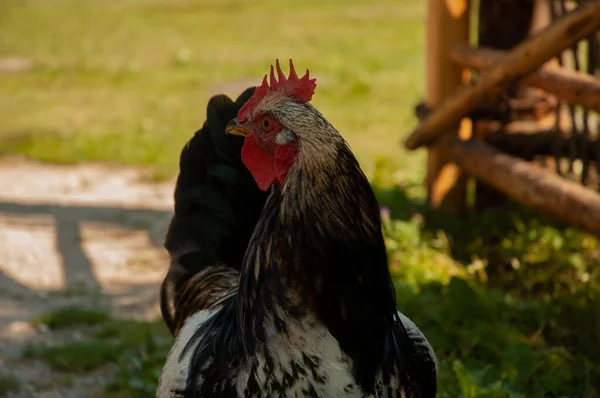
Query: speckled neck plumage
<point>341,273</point>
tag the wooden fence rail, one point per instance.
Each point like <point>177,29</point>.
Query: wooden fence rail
<point>526,57</point>
<point>530,185</point>
<point>573,87</point>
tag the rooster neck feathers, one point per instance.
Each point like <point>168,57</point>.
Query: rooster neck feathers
<point>334,297</point>
<point>340,275</point>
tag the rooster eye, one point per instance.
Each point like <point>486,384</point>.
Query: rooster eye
<point>266,123</point>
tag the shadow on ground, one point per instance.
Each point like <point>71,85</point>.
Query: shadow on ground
<point>106,255</point>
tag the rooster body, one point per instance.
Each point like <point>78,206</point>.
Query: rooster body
<point>306,362</point>
<point>311,311</point>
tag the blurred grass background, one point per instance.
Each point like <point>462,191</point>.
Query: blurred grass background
<point>509,299</point>
<point>128,80</point>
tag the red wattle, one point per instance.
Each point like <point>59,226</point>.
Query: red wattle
<point>284,158</point>
<point>259,162</point>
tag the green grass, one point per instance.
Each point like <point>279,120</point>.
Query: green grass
<point>509,300</point>
<point>72,316</point>
<point>76,357</point>
<point>9,384</point>
<point>129,81</point>
<point>137,348</point>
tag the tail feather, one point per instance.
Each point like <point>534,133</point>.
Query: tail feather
<point>217,205</point>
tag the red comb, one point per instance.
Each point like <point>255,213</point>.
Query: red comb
<point>300,88</point>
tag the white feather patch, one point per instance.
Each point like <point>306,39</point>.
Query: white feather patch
<point>284,137</point>
<point>175,371</point>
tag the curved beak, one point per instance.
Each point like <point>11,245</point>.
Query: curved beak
<point>234,128</point>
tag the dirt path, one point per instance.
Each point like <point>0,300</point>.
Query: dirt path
<point>89,235</point>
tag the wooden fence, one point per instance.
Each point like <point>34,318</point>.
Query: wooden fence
<point>515,106</point>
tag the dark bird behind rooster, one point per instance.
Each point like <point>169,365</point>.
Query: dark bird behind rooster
<point>279,283</point>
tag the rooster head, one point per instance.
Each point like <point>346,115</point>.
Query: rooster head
<point>276,122</point>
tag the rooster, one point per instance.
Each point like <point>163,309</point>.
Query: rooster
<point>295,299</point>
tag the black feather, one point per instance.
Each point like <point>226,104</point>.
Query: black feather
<point>217,204</point>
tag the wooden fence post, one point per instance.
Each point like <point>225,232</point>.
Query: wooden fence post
<point>495,32</point>
<point>447,25</point>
